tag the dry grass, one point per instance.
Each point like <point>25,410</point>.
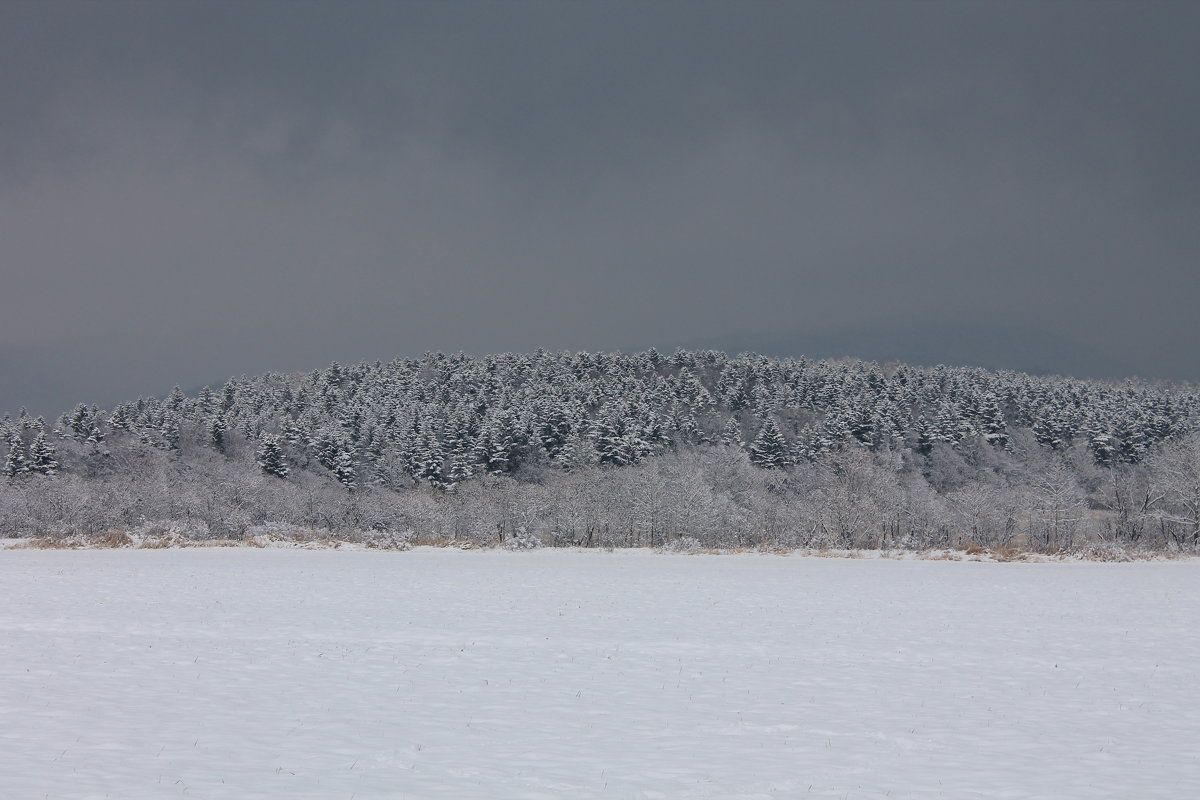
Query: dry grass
<point>47,543</point>
<point>160,543</point>
<point>1008,554</point>
<point>825,553</point>
<point>113,539</point>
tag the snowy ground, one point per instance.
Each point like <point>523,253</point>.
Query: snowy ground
<point>247,673</point>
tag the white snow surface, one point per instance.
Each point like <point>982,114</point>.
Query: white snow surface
<point>243,673</point>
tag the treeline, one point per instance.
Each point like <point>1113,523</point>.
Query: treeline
<point>640,449</point>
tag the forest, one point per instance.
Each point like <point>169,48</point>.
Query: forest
<point>687,451</point>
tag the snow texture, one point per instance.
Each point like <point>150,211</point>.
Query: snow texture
<point>240,673</point>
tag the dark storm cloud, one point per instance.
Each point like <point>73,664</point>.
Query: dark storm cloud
<point>193,190</point>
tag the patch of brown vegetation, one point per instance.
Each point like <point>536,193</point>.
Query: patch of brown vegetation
<point>1008,554</point>
<point>111,539</point>
<point>47,543</point>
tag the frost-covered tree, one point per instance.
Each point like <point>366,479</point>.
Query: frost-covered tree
<point>769,449</point>
<point>344,467</point>
<point>15,462</point>
<point>527,434</point>
<point>1178,469</point>
<point>217,430</point>
<point>270,457</point>
<point>731,434</point>
<point>42,456</point>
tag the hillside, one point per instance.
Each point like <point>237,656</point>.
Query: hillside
<point>606,449</point>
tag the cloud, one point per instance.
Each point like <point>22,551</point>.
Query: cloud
<point>198,190</point>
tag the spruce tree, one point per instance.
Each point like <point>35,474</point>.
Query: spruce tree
<point>15,462</point>
<point>41,456</point>
<point>344,468</point>
<point>431,458</point>
<point>731,435</point>
<point>990,421</point>
<point>769,449</point>
<point>216,433</point>
<point>270,457</point>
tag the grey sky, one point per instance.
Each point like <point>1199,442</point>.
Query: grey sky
<point>194,190</point>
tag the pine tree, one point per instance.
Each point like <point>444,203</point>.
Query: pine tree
<point>41,456</point>
<point>79,422</point>
<point>462,466</point>
<point>614,442</point>
<point>949,425</point>
<point>431,458</point>
<point>925,437</point>
<point>119,419</point>
<point>344,468</point>
<point>95,435</point>
<point>216,433</point>
<point>325,449</point>
<point>731,435</point>
<point>270,457</point>
<point>769,449</point>
<point>578,451</point>
<point>497,444</point>
<point>990,421</point>
<point>15,462</point>
<point>169,430</point>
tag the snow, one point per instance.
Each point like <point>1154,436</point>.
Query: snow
<point>249,673</point>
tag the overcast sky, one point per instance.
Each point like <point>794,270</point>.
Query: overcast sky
<point>194,190</point>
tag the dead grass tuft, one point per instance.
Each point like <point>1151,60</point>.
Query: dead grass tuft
<point>47,543</point>
<point>112,539</point>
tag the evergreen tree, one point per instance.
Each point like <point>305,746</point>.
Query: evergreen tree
<point>731,434</point>
<point>216,433</point>
<point>344,468</point>
<point>169,431</point>
<point>924,437</point>
<point>79,422</point>
<point>270,457</point>
<point>431,459</point>
<point>15,462</point>
<point>769,449</point>
<point>990,422</point>
<point>462,466</point>
<point>578,451</point>
<point>41,456</point>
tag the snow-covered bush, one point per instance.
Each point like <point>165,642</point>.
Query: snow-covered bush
<point>172,528</point>
<point>522,540</point>
<point>280,532</point>
<point>684,544</point>
<point>385,540</point>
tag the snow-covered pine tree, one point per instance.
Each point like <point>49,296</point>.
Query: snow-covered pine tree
<point>15,463</point>
<point>769,450</point>
<point>990,421</point>
<point>430,458</point>
<point>345,468</point>
<point>731,434</point>
<point>169,430</point>
<point>216,433</point>
<point>270,457</point>
<point>578,450</point>
<point>41,456</point>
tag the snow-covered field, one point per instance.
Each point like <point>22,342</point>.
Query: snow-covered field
<point>243,673</point>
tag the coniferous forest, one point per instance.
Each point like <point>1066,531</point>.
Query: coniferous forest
<point>682,451</point>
